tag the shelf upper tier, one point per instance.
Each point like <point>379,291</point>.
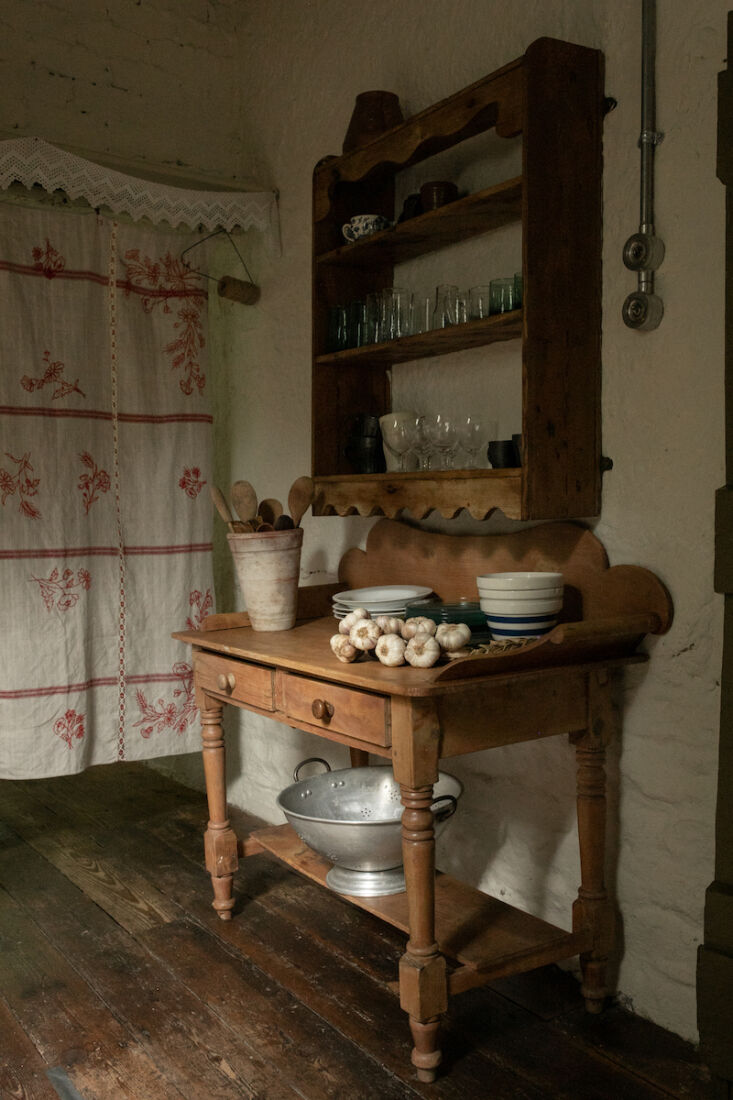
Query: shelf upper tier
<point>468,217</point>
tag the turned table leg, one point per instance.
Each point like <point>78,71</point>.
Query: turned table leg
<point>592,909</point>
<point>220,840</point>
<point>423,980</point>
<point>423,984</point>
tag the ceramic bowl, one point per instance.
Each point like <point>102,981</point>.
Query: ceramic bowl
<point>362,225</point>
<point>538,606</point>
<point>520,626</point>
<point>521,613</point>
<point>519,595</point>
<point>519,580</point>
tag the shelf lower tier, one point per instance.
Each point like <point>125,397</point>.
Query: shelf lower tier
<point>479,492</point>
<point>481,933</point>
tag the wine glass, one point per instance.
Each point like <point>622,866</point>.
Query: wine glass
<point>473,434</point>
<point>442,435</point>
<point>399,432</point>
<point>423,446</point>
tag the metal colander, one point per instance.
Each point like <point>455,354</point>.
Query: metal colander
<point>353,817</point>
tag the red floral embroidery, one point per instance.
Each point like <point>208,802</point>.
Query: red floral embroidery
<point>22,484</point>
<point>170,278</point>
<point>93,483</point>
<point>70,728</point>
<point>52,375</point>
<point>202,602</point>
<point>161,716</point>
<point>191,482</point>
<point>57,589</point>
<point>48,260</point>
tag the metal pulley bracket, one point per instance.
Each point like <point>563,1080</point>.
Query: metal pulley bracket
<point>642,311</point>
<point>643,252</point>
<point>236,290</point>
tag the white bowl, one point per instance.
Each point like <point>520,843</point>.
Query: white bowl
<point>522,608</point>
<point>520,626</point>
<point>521,593</point>
<point>519,580</point>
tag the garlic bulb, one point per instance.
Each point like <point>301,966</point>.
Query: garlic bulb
<point>422,651</point>
<point>343,648</point>
<point>390,624</point>
<point>454,654</point>
<point>365,634</point>
<point>419,625</point>
<point>352,619</point>
<point>453,635</point>
<point>390,649</point>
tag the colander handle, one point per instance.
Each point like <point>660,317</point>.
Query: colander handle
<point>447,811</point>
<point>310,760</point>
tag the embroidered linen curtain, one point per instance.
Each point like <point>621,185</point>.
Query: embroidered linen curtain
<point>105,514</point>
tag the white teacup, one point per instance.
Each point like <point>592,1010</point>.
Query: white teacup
<point>362,225</point>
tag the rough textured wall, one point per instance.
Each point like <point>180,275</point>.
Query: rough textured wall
<point>155,83</point>
<point>265,90</point>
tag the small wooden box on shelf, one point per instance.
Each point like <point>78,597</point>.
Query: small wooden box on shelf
<point>551,98</point>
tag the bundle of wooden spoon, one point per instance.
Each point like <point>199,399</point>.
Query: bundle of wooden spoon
<point>268,514</point>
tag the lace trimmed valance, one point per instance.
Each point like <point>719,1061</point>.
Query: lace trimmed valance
<point>32,160</point>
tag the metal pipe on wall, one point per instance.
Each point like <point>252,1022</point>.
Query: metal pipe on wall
<point>644,251</point>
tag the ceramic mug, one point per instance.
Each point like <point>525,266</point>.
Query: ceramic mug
<point>362,225</point>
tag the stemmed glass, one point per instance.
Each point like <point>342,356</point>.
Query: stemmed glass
<point>422,445</point>
<point>473,435</point>
<point>442,435</point>
<point>399,432</point>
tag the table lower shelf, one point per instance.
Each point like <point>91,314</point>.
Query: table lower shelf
<point>487,937</point>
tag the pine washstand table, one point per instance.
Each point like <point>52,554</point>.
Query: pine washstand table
<point>457,936</point>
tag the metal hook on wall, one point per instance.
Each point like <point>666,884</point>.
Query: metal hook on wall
<point>236,290</point>
<point>644,251</point>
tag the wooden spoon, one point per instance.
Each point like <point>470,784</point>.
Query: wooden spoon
<point>244,499</point>
<point>269,509</point>
<point>300,498</point>
<point>223,509</point>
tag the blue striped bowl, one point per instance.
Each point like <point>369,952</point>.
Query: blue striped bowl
<point>520,626</point>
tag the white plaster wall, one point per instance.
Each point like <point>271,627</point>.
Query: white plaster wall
<point>264,90</point>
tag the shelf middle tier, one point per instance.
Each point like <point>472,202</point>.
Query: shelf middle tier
<point>425,345</point>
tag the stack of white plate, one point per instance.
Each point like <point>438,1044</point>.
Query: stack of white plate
<point>385,599</point>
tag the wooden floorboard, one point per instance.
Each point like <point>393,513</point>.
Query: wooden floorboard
<point>119,981</point>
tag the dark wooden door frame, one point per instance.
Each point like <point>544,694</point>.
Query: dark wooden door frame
<point>715,956</point>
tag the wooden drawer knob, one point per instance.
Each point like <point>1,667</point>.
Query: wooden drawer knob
<point>226,681</point>
<point>322,710</point>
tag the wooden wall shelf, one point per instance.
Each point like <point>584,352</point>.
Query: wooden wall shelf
<point>552,100</point>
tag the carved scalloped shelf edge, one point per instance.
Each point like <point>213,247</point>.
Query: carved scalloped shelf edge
<point>493,103</point>
<point>479,493</point>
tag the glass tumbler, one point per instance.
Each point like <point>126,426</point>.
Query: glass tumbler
<point>446,306</point>
<point>502,295</point>
<point>479,298</point>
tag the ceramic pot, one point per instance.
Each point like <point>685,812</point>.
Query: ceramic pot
<point>374,113</point>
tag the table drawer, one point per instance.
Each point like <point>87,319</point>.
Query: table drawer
<point>239,681</point>
<point>345,710</point>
